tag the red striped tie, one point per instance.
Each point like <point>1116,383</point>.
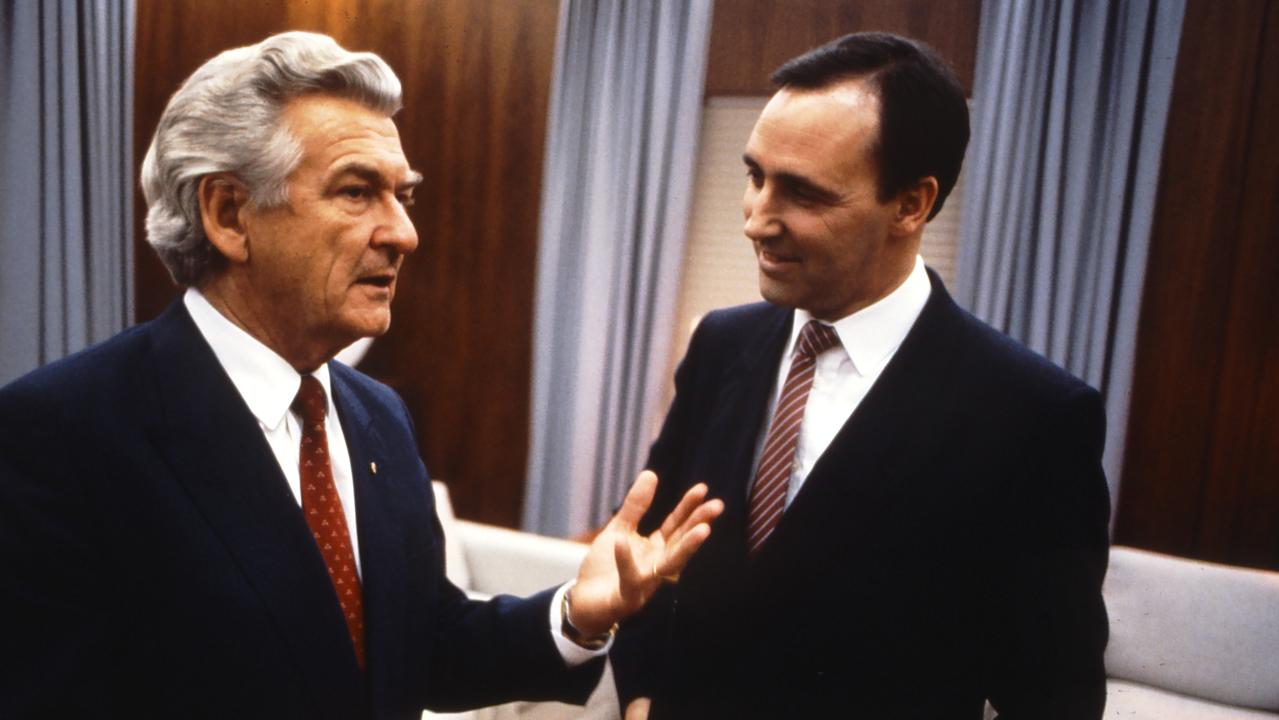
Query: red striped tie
<point>323,508</point>
<point>776,463</point>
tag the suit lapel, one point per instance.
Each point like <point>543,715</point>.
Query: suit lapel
<point>739,417</point>
<point>380,526</point>
<point>215,449</point>
<point>879,444</point>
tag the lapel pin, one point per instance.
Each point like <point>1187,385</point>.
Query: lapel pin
<point>373,467</point>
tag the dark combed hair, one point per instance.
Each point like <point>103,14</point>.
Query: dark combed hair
<point>923,121</point>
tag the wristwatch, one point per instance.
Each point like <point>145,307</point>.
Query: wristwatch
<point>590,642</point>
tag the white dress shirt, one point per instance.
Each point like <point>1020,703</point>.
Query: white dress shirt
<point>268,383</point>
<point>844,374</point>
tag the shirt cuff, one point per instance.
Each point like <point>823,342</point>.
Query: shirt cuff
<point>572,653</point>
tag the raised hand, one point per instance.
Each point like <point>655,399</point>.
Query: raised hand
<point>624,569</point>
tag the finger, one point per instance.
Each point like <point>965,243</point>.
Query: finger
<point>638,498</point>
<point>630,578</point>
<point>685,508</point>
<point>678,554</point>
<point>703,514</point>
<point>638,709</point>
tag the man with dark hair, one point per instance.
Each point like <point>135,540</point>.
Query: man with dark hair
<point>206,516</point>
<point>915,513</point>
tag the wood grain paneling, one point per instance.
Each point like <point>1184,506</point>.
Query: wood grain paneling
<point>476,77</point>
<point>751,38</point>
<point>1202,460</point>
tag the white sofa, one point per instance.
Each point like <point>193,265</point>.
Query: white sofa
<point>1190,640</point>
<point>486,560</point>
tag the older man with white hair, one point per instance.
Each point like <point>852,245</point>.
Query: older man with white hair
<point>205,517</point>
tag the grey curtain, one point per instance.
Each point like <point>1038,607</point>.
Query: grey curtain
<point>1070,103</point>
<point>625,112</point>
<point>66,100</point>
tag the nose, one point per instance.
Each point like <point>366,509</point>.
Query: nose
<point>395,231</point>
<point>758,208</point>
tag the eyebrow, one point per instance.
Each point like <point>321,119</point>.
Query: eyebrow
<point>792,181</point>
<point>373,176</point>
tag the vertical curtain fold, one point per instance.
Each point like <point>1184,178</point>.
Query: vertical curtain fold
<point>1070,103</point>
<point>66,84</point>
<point>625,112</point>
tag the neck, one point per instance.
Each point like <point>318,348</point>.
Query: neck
<point>891,275</point>
<point>236,304</point>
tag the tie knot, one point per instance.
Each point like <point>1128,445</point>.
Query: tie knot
<point>309,403</point>
<point>816,338</point>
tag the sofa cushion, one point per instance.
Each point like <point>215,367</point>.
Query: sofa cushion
<point>1195,628</point>
<point>1138,702</point>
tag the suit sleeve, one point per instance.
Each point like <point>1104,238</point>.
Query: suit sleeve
<point>61,627</point>
<point>1047,619</point>
<point>500,651</point>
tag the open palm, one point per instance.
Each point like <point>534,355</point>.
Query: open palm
<point>623,569</point>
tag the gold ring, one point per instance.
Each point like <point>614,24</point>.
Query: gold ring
<point>669,579</point>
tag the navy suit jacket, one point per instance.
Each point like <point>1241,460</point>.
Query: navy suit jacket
<point>948,547</point>
<point>156,563</point>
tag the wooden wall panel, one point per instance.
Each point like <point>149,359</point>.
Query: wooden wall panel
<point>1202,459</point>
<point>476,77</point>
<point>751,38</point>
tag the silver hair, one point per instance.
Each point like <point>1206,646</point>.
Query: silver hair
<point>225,118</point>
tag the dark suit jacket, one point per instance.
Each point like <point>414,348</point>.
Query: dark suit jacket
<point>948,547</point>
<point>157,565</point>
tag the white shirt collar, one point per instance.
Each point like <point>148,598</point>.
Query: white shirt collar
<point>872,334</point>
<point>266,381</point>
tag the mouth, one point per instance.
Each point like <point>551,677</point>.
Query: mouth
<point>381,280</point>
<point>771,261</point>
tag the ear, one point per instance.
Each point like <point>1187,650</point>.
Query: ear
<point>223,198</point>
<point>913,206</point>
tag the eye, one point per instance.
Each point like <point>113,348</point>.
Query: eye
<point>355,192</point>
<point>755,176</point>
<point>804,195</point>
<point>405,199</point>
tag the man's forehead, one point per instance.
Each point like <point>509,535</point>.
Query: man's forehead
<point>844,99</point>
<point>335,133</point>
<point>820,134</point>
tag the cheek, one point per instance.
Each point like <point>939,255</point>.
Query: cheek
<point>344,261</point>
<point>815,236</point>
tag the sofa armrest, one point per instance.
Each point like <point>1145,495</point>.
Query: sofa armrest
<point>514,562</point>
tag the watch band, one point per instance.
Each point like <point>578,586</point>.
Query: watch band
<point>590,642</point>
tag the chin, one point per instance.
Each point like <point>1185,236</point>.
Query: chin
<point>775,293</point>
<point>373,325</point>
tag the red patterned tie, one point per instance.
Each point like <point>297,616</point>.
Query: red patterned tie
<point>776,463</point>
<point>323,508</point>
